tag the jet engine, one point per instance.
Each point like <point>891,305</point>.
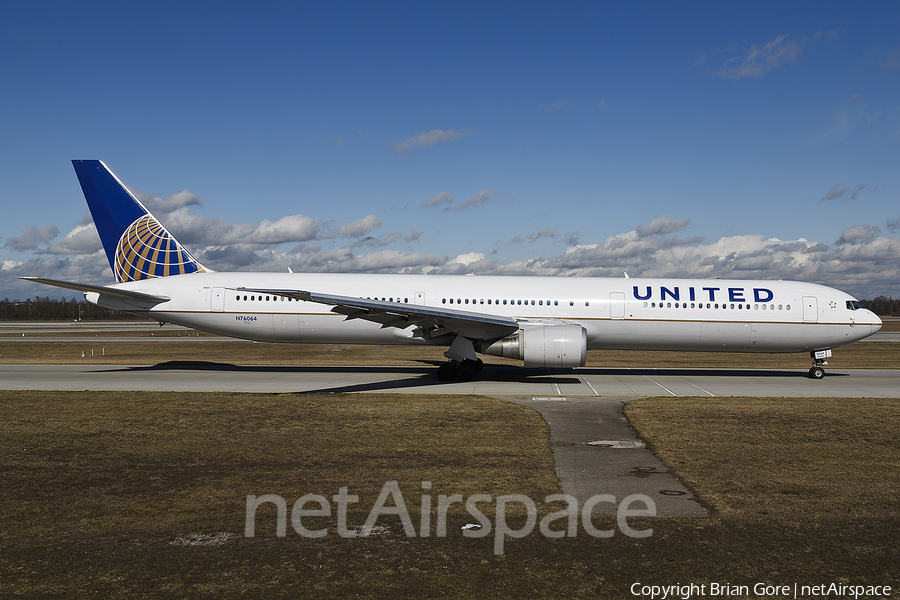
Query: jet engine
<point>544,346</point>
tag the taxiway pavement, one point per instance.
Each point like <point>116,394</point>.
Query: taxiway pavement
<point>495,380</point>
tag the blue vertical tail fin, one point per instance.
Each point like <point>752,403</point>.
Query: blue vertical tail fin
<point>136,244</point>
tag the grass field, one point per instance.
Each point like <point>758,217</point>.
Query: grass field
<point>143,496</point>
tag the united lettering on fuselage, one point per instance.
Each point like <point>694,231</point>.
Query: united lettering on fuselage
<point>542,321</point>
<point>703,294</point>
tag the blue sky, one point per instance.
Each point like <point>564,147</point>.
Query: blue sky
<point>661,139</point>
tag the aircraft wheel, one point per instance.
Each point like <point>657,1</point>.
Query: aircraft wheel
<point>465,372</point>
<point>478,365</point>
<point>816,373</point>
<point>446,372</point>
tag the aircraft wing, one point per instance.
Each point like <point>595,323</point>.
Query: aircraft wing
<point>431,322</point>
<point>101,289</point>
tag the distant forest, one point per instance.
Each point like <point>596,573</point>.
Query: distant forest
<point>54,309</point>
<point>885,307</point>
<point>49,309</point>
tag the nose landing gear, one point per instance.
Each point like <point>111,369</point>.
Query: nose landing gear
<point>817,371</point>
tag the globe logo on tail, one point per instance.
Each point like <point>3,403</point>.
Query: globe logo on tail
<point>147,250</point>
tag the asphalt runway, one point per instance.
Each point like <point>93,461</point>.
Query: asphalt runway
<point>500,381</point>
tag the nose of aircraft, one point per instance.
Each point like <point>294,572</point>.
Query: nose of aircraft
<point>864,323</point>
<point>876,323</point>
<point>870,322</point>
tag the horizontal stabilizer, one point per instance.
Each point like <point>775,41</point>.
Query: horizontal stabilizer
<point>101,289</point>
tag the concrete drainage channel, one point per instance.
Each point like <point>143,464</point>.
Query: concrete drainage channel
<point>616,444</point>
<point>597,452</point>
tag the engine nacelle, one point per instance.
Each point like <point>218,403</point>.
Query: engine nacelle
<point>544,346</point>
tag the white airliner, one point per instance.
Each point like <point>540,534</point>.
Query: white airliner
<point>543,321</point>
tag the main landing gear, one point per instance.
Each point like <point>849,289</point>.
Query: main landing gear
<point>462,370</point>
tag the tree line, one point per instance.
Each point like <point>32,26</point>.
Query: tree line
<point>52,309</point>
<point>55,309</point>
<point>883,306</point>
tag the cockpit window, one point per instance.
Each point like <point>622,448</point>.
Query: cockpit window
<point>854,305</point>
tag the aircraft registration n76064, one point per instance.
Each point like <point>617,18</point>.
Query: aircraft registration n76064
<point>543,321</point>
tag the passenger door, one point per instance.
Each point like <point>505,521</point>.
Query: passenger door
<point>810,309</point>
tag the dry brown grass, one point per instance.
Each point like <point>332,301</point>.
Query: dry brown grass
<point>890,324</point>
<point>809,458</point>
<point>96,487</point>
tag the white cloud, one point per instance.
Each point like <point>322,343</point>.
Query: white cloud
<point>441,198</point>
<point>857,234</point>
<point>343,260</point>
<point>838,191</point>
<point>384,240</point>
<point>293,228</point>
<point>32,237</point>
<point>482,197</point>
<point>180,200</point>
<point>430,138</point>
<point>755,61</point>
<point>862,261</point>
<point>892,60</point>
<point>83,239</point>
<point>359,227</point>
<point>468,258</point>
<point>559,104</point>
<point>546,232</point>
<point>572,238</point>
<point>663,225</point>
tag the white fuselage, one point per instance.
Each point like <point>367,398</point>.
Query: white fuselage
<point>659,314</point>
